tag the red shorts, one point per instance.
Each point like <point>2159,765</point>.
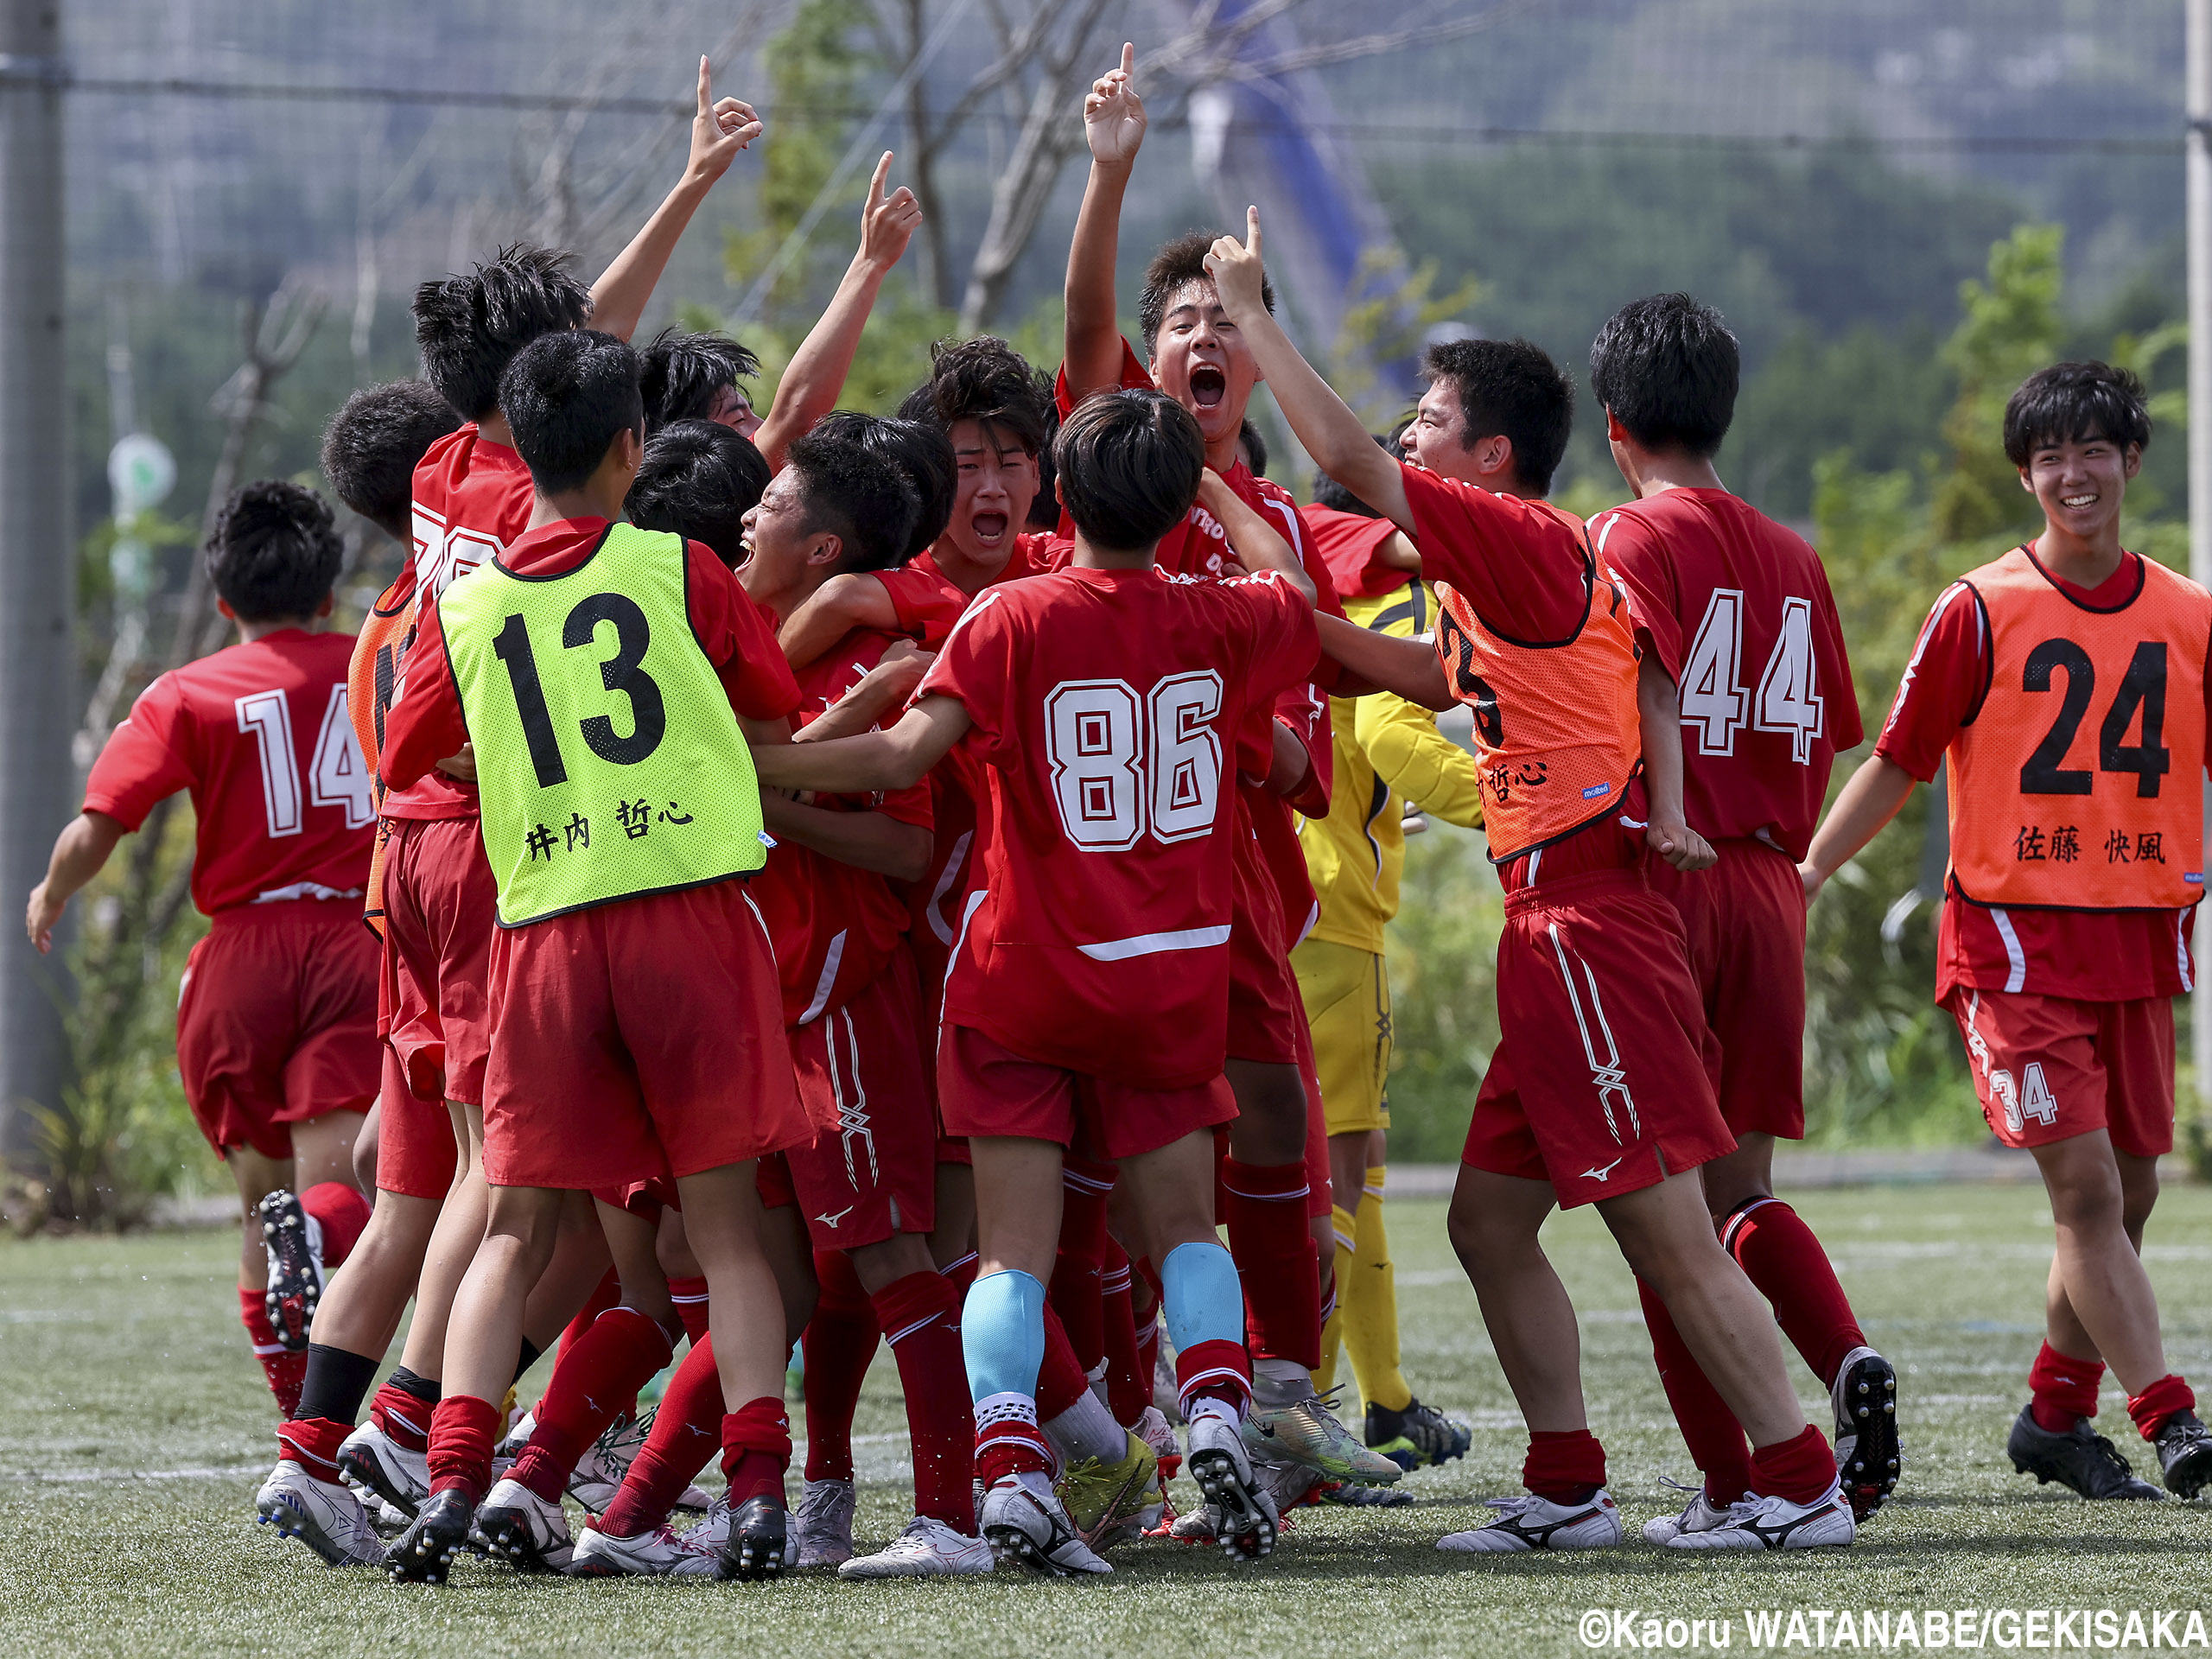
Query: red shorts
<point>2047,1068</point>
<point>874,1172</point>
<point>1603,1082</point>
<point>1266,1015</point>
<point>1745,923</point>
<point>637,1038</point>
<point>416,1154</point>
<point>440,905</point>
<point>988,1090</point>
<point>276,1021</point>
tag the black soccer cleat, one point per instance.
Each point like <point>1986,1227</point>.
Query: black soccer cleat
<point>295,1268</point>
<point>2082,1459</point>
<point>2184,1447</point>
<point>1420,1434</point>
<point>755,1548</point>
<point>423,1554</point>
<point>1868,1454</point>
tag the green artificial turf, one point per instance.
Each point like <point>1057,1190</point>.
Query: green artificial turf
<point>134,1429</point>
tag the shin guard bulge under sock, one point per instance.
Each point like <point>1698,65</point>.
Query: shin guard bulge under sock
<point>605,1294</point>
<point>1265,1210</point>
<point>1715,1439</point>
<point>686,1435</point>
<point>595,1377</point>
<point>1779,1254</point>
<point>1075,1290</point>
<point>690,1297</point>
<point>1129,1384</point>
<point>839,1342</point>
<point>920,1316</point>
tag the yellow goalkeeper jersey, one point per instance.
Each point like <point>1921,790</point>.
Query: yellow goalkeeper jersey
<point>1387,752</point>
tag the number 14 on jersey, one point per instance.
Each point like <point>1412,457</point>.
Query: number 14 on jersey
<point>1788,698</point>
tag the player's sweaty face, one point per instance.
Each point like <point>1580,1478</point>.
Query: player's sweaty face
<point>2079,484</point>
<point>1200,359</point>
<point>997,481</point>
<point>734,409</point>
<point>1432,440</point>
<point>777,544</point>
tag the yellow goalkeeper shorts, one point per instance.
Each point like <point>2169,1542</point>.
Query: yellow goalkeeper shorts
<point>1347,996</point>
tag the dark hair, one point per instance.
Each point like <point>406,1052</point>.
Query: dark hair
<point>699,479</point>
<point>1129,463</point>
<point>2072,403</point>
<point>1255,447</point>
<point>987,381</point>
<point>1044,511</point>
<point>1509,389</point>
<point>1666,368</point>
<point>1177,263</point>
<point>373,442</point>
<point>857,493</point>
<point>567,397</point>
<point>275,552</point>
<point>468,328</point>
<point>681,375</point>
<point>923,455</point>
<point>1327,492</point>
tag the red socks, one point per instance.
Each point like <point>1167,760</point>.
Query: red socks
<point>1144,1304</point>
<point>1265,1209</point>
<point>403,1412</point>
<point>607,1294</point>
<point>2160,1401</point>
<point>686,1430</point>
<point>595,1378</point>
<point>839,1342</point>
<point>1219,1370</point>
<point>1709,1428</point>
<point>1800,1470</point>
<point>1779,1254</point>
<point>285,1369</point>
<point>1128,1380</point>
<point>313,1444</point>
<point>2061,1389</point>
<point>1075,1292</point>
<point>1565,1466</point>
<point>462,1430</point>
<point>756,1450</point>
<point>1008,1441</point>
<point>920,1315</point>
<point>343,1215</point>
<point>690,1296</point>
<point>1060,1380</point>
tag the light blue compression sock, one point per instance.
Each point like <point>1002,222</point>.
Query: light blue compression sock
<point>1003,1334</point>
<point>1201,1296</point>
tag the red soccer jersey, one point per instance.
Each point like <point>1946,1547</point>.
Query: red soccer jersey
<point>425,724</point>
<point>1347,543</point>
<point>928,603</point>
<point>260,735</point>
<point>472,501</point>
<point>1740,612</point>
<point>1105,705</point>
<point>2113,955</point>
<point>834,926</point>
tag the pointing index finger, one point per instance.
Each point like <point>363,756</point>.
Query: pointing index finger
<point>1252,231</point>
<point>706,91</point>
<point>1129,60</point>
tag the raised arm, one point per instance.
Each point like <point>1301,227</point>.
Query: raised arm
<point>719,130</point>
<point>857,600</point>
<point>811,385</point>
<point>1113,123</point>
<point>1863,806</point>
<point>1259,546</point>
<point>897,758</point>
<point>1668,833</point>
<point>1332,434</point>
<point>1408,668</point>
<point>80,852</point>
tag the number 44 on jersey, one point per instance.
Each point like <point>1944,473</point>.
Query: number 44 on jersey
<point>1787,699</point>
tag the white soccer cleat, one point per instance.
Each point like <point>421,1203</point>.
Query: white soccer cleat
<point>823,1524</point>
<point>1776,1524</point>
<point>926,1549</point>
<point>664,1553</point>
<point>513,1442</point>
<point>1533,1522</point>
<point>372,1458</point>
<point>598,1474</point>
<point>1245,1519</point>
<point>325,1516</point>
<point>522,1530</point>
<point>1699,1514</point>
<point>1023,1520</point>
<point>1306,1430</point>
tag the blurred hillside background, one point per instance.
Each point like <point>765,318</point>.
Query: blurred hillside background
<point>1902,206</point>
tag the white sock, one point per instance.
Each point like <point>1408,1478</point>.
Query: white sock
<point>1087,1429</point>
<point>1281,1382</point>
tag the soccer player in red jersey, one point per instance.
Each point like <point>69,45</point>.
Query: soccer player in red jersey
<point>1275,1180</point>
<point>1738,612</point>
<point>597,1074</point>
<point>1542,647</point>
<point>2077,863</point>
<point>275,1025</point>
<point>1088,991</point>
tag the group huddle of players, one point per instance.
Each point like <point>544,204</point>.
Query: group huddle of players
<point>831,877</point>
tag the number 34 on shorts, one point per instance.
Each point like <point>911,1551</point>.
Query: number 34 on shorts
<point>2049,1068</point>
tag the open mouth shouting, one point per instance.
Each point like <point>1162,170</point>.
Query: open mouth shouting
<point>988,529</point>
<point>1209,385</point>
